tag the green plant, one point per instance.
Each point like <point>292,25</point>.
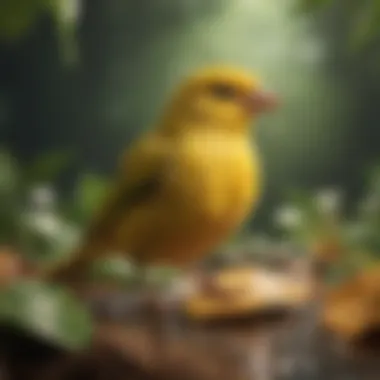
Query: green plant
<point>48,313</point>
<point>364,231</point>
<point>33,217</point>
<point>33,220</point>
<point>28,214</point>
<point>88,194</point>
<point>306,217</point>
<point>309,217</point>
<point>18,18</point>
<point>363,18</point>
<point>114,270</point>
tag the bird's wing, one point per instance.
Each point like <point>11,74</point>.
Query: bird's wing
<point>140,178</point>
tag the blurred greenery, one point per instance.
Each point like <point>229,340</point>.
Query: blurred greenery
<point>27,204</point>
<point>307,218</point>
<point>111,96</point>
<point>363,16</point>
<point>132,55</point>
<point>116,271</point>
<point>89,191</point>
<point>46,227</point>
<point>19,18</point>
<point>46,312</point>
<point>63,124</point>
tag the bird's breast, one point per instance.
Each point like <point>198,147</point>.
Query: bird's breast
<point>217,178</point>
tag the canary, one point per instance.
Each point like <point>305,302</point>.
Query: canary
<point>188,183</point>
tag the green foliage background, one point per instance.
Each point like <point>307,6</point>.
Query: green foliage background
<point>79,79</point>
<point>86,77</point>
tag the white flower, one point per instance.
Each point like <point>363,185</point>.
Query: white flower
<point>68,236</point>
<point>70,10</point>
<point>42,196</point>
<point>328,201</point>
<point>288,217</point>
<point>44,223</point>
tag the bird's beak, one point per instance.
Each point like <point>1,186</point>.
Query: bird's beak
<point>261,102</point>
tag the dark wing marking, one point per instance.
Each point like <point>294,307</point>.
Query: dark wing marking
<point>146,171</point>
<point>122,203</point>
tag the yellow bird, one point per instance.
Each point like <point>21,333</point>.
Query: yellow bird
<point>189,183</point>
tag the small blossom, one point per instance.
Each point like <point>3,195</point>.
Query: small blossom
<point>328,201</point>
<point>42,196</point>
<point>288,217</point>
<point>44,223</point>
<point>68,236</point>
<point>70,10</point>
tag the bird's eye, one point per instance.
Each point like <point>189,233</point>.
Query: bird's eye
<point>223,91</point>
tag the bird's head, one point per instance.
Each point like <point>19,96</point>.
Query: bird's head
<point>219,97</point>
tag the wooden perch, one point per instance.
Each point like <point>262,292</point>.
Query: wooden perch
<point>247,291</point>
<point>117,352</point>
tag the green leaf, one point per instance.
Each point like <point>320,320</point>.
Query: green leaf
<point>49,313</point>
<point>374,179</point>
<point>304,201</point>
<point>115,269</point>
<point>312,5</point>
<point>48,166</point>
<point>9,174</point>
<point>18,17</point>
<point>89,193</point>
<point>365,25</point>
<point>66,14</point>
<point>10,201</point>
<point>160,275</point>
<point>52,248</point>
